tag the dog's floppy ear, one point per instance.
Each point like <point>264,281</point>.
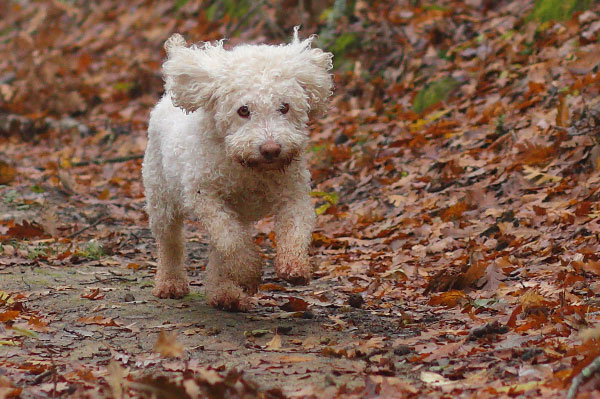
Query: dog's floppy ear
<point>187,73</point>
<point>313,74</point>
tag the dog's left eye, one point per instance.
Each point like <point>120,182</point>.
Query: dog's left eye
<point>284,108</point>
<point>244,111</point>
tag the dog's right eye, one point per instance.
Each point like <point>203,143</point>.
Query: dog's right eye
<point>244,112</point>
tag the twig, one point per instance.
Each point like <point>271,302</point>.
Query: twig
<point>88,227</point>
<point>104,280</point>
<point>586,373</point>
<point>26,283</point>
<point>110,160</point>
<point>40,377</point>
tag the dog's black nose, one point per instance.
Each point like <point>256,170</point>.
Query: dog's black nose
<point>270,150</point>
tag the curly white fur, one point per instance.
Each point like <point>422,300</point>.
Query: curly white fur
<point>207,159</point>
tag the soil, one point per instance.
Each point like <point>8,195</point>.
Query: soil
<point>324,341</point>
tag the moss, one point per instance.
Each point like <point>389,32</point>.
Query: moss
<point>433,93</point>
<point>557,10</point>
<point>194,296</point>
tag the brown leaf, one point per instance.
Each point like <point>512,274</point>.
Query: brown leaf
<point>49,221</point>
<point>109,322</point>
<point>454,212</point>
<point>585,63</point>
<point>475,270</point>
<point>272,287</point>
<point>7,173</point>
<point>274,344</point>
<point>104,195</point>
<point>562,114</point>
<point>9,315</point>
<point>93,294</point>
<point>584,208</point>
<point>294,305</point>
<point>167,346</point>
<point>26,230</point>
<point>449,299</point>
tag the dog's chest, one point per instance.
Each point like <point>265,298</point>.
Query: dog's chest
<point>253,198</point>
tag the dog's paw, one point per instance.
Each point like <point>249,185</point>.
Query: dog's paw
<point>231,298</point>
<point>173,288</point>
<point>296,272</point>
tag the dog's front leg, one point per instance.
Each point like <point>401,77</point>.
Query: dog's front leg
<point>294,223</point>
<point>234,266</point>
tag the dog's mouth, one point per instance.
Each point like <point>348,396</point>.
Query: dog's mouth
<point>267,164</point>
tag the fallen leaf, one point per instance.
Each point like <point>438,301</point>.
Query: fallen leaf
<point>9,315</point>
<point>26,230</point>
<point>449,299</point>
<point>167,346</point>
<point>94,294</point>
<point>274,344</point>
<point>7,173</point>
<point>434,379</point>
<point>109,321</point>
<point>294,305</point>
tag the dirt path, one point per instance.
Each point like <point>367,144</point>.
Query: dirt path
<point>70,319</point>
<point>133,319</point>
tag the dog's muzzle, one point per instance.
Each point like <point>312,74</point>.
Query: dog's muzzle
<point>270,158</point>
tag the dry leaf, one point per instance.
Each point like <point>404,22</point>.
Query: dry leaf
<point>116,379</point>
<point>7,173</point>
<point>449,299</point>
<point>167,346</point>
<point>109,321</point>
<point>294,305</point>
<point>274,344</point>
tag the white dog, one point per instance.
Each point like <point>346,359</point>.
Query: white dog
<point>226,146</point>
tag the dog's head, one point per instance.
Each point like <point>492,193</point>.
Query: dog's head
<point>260,96</point>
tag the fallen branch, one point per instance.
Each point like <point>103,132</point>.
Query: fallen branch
<point>586,373</point>
<point>110,160</point>
<point>87,227</point>
<point>107,279</point>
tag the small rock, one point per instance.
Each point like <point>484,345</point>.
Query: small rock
<point>341,139</point>
<point>356,300</point>
<point>402,350</point>
<point>308,314</point>
<point>128,297</point>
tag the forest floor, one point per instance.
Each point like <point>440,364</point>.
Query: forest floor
<point>456,184</point>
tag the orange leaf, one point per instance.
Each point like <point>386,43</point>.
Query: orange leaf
<point>474,272</point>
<point>449,299</point>
<point>93,295</point>
<point>562,116</point>
<point>7,173</point>
<point>295,305</point>
<point>9,315</point>
<point>26,230</point>
<point>583,209</point>
<point>454,212</point>
<point>38,324</point>
<point>104,195</point>
<point>99,320</point>
<point>272,287</point>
